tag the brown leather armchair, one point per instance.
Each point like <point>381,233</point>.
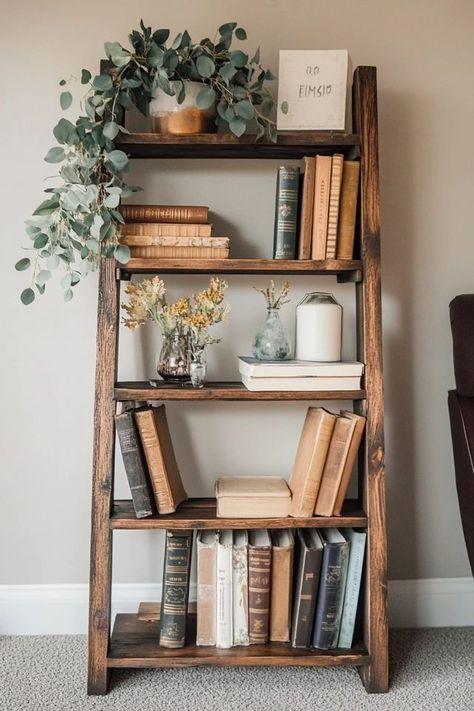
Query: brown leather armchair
<point>461,411</point>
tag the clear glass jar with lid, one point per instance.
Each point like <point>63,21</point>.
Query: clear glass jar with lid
<point>318,328</point>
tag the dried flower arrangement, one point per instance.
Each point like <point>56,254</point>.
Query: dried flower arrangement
<point>273,300</point>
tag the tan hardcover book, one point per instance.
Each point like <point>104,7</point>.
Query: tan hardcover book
<point>350,460</point>
<point>307,206</point>
<point>159,454</point>
<point>180,252</point>
<point>260,569</point>
<point>170,241</point>
<point>310,460</point>
<point>334,199</point>
<point>206,588</point>
<point>334,467</point>
<point>252,497</point>
<point>348,210</point>
<point>321,207</point>
<point>165,213</point>
<point>282,585</point>
<point>165,229</point>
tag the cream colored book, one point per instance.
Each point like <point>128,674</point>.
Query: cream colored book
<point>282,584</point>
<point>164,229</point>
<point>321,207</point>
<point>334,466</point>
<point>240,589</point>
<point>252,497</point>
<point>206,588</point>
<point>224,612</point>
<point>310,460</point>
<point>307,203</point>
<point>334,197</point>
<point>350,460</point>
<point>174,241</point>
<point>179,252</point>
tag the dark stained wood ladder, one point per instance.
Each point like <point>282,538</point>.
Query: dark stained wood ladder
<point>133,641</point>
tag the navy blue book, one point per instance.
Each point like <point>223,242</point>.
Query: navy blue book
<point>332,586</point>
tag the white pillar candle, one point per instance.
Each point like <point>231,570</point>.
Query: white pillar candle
<point>319,328</point>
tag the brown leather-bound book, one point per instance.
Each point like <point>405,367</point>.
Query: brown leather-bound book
<point>334,198</point>
<point>310,459</point>
<point>307,203</point>
<point>260,567</point>
<point>282,584</point>
<point>165,213</point>
<point>321,207</point>
<point>334,467</point>
<point>165,229</point>
<point>350,460</point>
<point>206,588</point>
<point>348,209</point>
<point>159,454</point>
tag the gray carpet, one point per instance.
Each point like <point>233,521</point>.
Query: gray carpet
<point>432,670</point>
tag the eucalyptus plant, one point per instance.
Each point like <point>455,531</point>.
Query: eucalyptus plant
<point>80,218</point>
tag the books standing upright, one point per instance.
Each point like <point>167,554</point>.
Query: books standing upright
<point>134,464</point>
<point>321,206</point>
<point>334,197</point>
<point>309,555</point>
<point>334,465</point>
<point>240,589</point>
<point>224,613</point>
<point>260,566</point>
<point>282,585</point>
<point>357,541</point>
<point>331,589</point>
<point>206,588</point>
<point>175,593</point>
<point>350,459</point>
<point>348,210</point>
<point>286,213</point>
<point>307,207</point>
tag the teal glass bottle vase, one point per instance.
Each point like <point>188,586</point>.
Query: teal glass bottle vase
<point>271,341</point>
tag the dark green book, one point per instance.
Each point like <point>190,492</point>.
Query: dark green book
<point>134,463</point>
<point>286,213</point>
<point>175,592</point>
<point>332,586</point>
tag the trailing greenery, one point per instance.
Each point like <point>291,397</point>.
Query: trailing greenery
<point>79,219</point>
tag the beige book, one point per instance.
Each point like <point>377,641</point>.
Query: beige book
<point>173,241</point>
<point>252,497</point>
<point>348,210</point>
<point>307,203</point>
<point>334,467</point>
<point>282,584</point>
<point>310,460</point>
<point>180,252</point>
<point>165,229</point>
<point>206,588</point>
<point>334,198</point>
<point>321,207</point>
<point>350,461</point>
<point>160,458</point>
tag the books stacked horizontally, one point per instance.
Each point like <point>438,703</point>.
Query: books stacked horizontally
<point>172,232</point>
<point>297,375</point>
<point>260,586</point>
<point>149,460</point>
<point>316,217</point>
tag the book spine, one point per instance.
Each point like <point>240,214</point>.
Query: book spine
<point>164,213</point>
<point>165,229</point>
<point>168,241</point>
<point>224,633</point>
<point>281,591</point>
<point>240,595</point>
<point>306,591</point>
<point>307,203</point>
<point>174,601</point>
<point>334,466</point>
<point>334,198</point>
<point>348,210</point>
<point>260,562</point>
<point>151,447</point>
<point>286,213</point>
<point>134,464</point>
<point>206,593</point>
<point>331,595</point>
<point>349,464</point>
<point>351,597</point>
<point>321,207</point>
<point>180,252</point>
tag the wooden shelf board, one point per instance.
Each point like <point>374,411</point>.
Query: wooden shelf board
<point>201,513</point>
<point>134,643</point>
<point>144,391</point>
<point>290,144</point>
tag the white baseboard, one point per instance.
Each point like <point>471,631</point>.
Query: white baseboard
<point>62,609</point>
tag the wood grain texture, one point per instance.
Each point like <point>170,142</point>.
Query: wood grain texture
<point>368,297</point>
<point>201,513</point>
<point>102,478</point>
<point>144,391</point>
<point>134,643</point>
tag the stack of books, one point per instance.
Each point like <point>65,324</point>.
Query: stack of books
<point>171,231</point>
<point>260,586</point>
<point>316,216</point>
<point>297,375</point>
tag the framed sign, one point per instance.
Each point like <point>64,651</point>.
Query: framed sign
<point>312,89</point>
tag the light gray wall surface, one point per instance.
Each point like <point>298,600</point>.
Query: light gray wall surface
<point>424,54</point>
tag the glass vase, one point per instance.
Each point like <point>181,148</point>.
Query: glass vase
<point>198,370</point>
<point>271,341</point>
<point>174,358</point>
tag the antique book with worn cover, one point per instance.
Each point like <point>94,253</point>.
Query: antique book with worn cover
<point>175,592</point>
<point>334,198</point>
<point>350,460</point>
<point>224,612</point>
<point>253,368</point>
<point>321,207</point>
<point>218,250</point>
<point>252,497</point>
<point>158,448</point>
<point>134,463</point>
<point>206,587</point>
<point>348,210</point>
<point>334,467</point>
<point>162,229</point>
<point>309,552</point>
<point>331,589</point>
<point>240,588</point>
<point>310,459</point>
<point>357,542</point>
<point>282,584</point>
<point>165,213</point>
<point>307,202</point>
<point>286,213</point>
<point>260,569</point>
<point>314,384</point>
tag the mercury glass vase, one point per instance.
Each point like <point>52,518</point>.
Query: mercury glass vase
<point>174,358</point>
<point>271,341</point>
<point>198,369</point>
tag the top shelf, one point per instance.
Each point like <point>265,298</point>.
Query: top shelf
<point>290,144</point>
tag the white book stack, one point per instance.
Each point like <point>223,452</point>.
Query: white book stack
<point>296,375</point>
<point>224,610</point>
<point>240,589</point>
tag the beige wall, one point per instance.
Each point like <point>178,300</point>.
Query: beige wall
<point>424,54</point>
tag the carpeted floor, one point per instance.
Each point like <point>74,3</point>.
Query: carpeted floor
<point>432,670</point>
